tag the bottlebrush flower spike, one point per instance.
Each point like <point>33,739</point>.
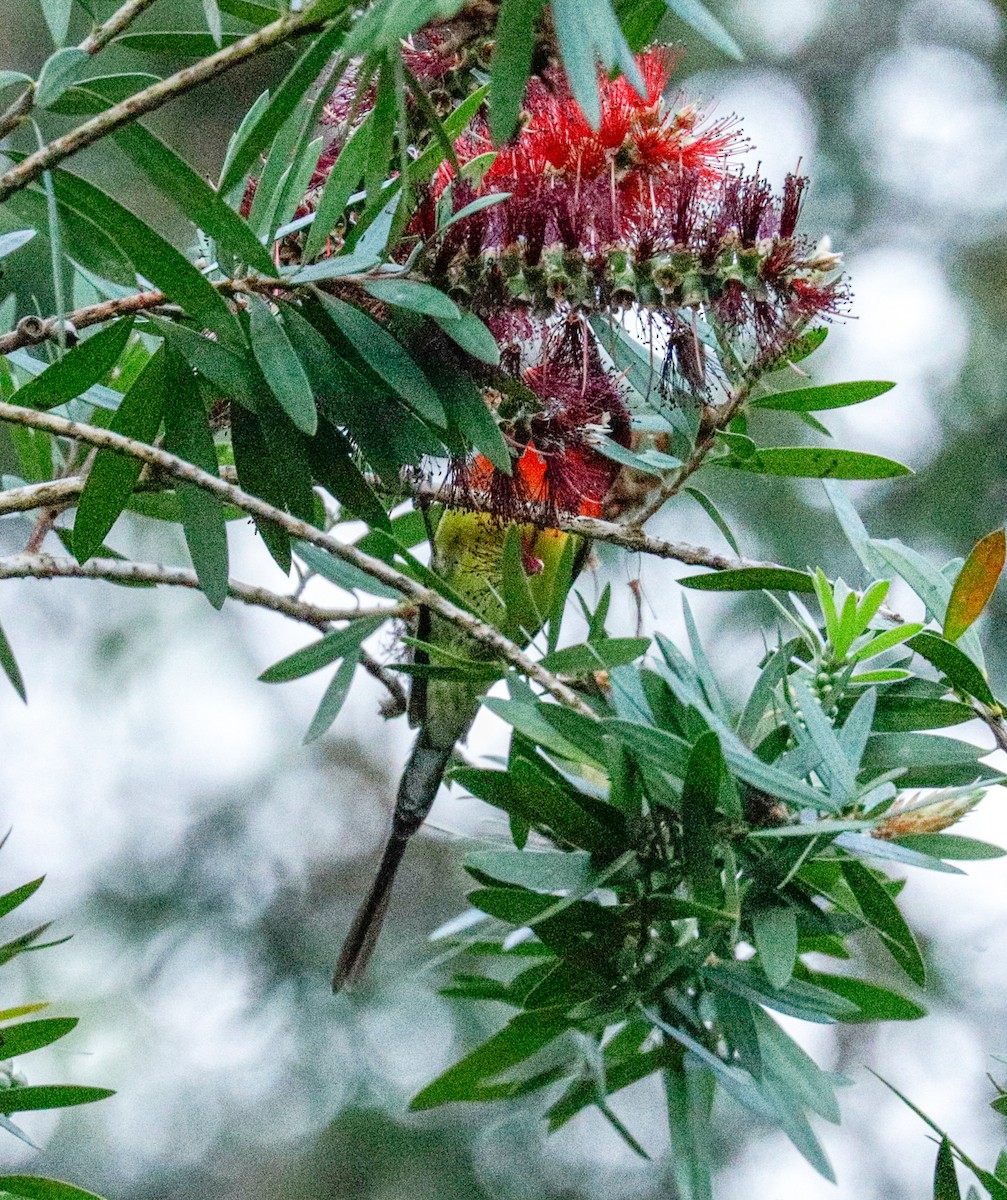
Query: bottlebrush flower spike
<point>646,211</point>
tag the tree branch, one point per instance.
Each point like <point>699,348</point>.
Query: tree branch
<point>160,93</point>
<point>231,494</point>
<point>45,566</point>
<point>64,493</point>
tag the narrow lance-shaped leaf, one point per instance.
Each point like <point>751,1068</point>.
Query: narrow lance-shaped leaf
<point>187,433</point>
<point>85,364</point>
<point>187,189</point>
<point>281,104</point>
<point>281,366</point>
<point>975,583</point>
<point>945,1179</point>
<point>815,462</point>
<point>831,395</point>
<point>699,17</point>
<point>113,476</point>
<point>511,64</point>
<point>8,663</point>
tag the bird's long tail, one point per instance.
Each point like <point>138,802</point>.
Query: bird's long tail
<point>417,790</point>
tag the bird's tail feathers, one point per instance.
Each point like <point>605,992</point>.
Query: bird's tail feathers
<point>418,788</point>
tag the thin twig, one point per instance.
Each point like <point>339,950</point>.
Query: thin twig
<point>302,530</point>
<point>718,421</point>
<point>117,23</point>
<point>95,41</point>
<point>158,94</point>
<point>45,566</point>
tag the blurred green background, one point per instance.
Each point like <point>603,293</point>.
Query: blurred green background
<point>208,864</point>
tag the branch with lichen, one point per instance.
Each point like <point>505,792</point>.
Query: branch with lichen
<point>94,43</point>
<point>229,493</point>
<point>46,566</point>
<point>158,94</point>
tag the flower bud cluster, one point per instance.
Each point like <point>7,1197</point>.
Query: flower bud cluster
<point>927,814</point>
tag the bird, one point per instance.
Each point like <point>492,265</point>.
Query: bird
<point>469,556</point>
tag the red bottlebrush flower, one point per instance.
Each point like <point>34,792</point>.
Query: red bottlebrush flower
<point>644,212</point>
<point>599,184</point>
<point>552,412</point>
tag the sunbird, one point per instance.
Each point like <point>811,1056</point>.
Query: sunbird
<point>468,554</point>
<point>551,416</point>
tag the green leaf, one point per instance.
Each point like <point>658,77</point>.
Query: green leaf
<point>154,257</point>
<point>414,296</point>
<point>814,462</point>
<point>522,792</point>
<point>252,11</point>
<point>8,664</point>
<point>526,1034</point>
<point>960,671</point>
<point>34,1187</point>
<point>187,433</point>
<point>816,399</point>
<point>190,192</point>
<point>797,999</point>
<point>279,363</point>
<point>332,463</point>
<point>321,653</point>
<point>853,528</point>
<point>590,657</point>
<point>57,15</point>
<point>113,476</point>
<point>386,357</point>
<point>212,13</point>
<point>523,619</point>
<point>333,699</point>
<point>883,915</point>
<point>699,797</point>
<point>543,871</point>
<point>874,1003</point>
<point>799,1075</point>
<point>9,78</point>
<point>256,474</point>
<point>775,930</point>
<point>975,583</point>
<point>54,1095</point>
<point>927,760</point>
<point>473,336</point>
<point>59,71</point>
<point>85,364</point>
<point>18,896</point>
<point>16,1040</point>
<point>282,103</point>
<point>751,579</point>
<point>9,242</point>
<point>588,32</point>
<point>954,846</point>
<point>342,573</point>
<point>902,714</point>
<point>510,66</point>
<point>713,513</point>
<point>945,1178</point>
<point>698,17</point>
<point>470,415</point>
<point>345,176</point>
